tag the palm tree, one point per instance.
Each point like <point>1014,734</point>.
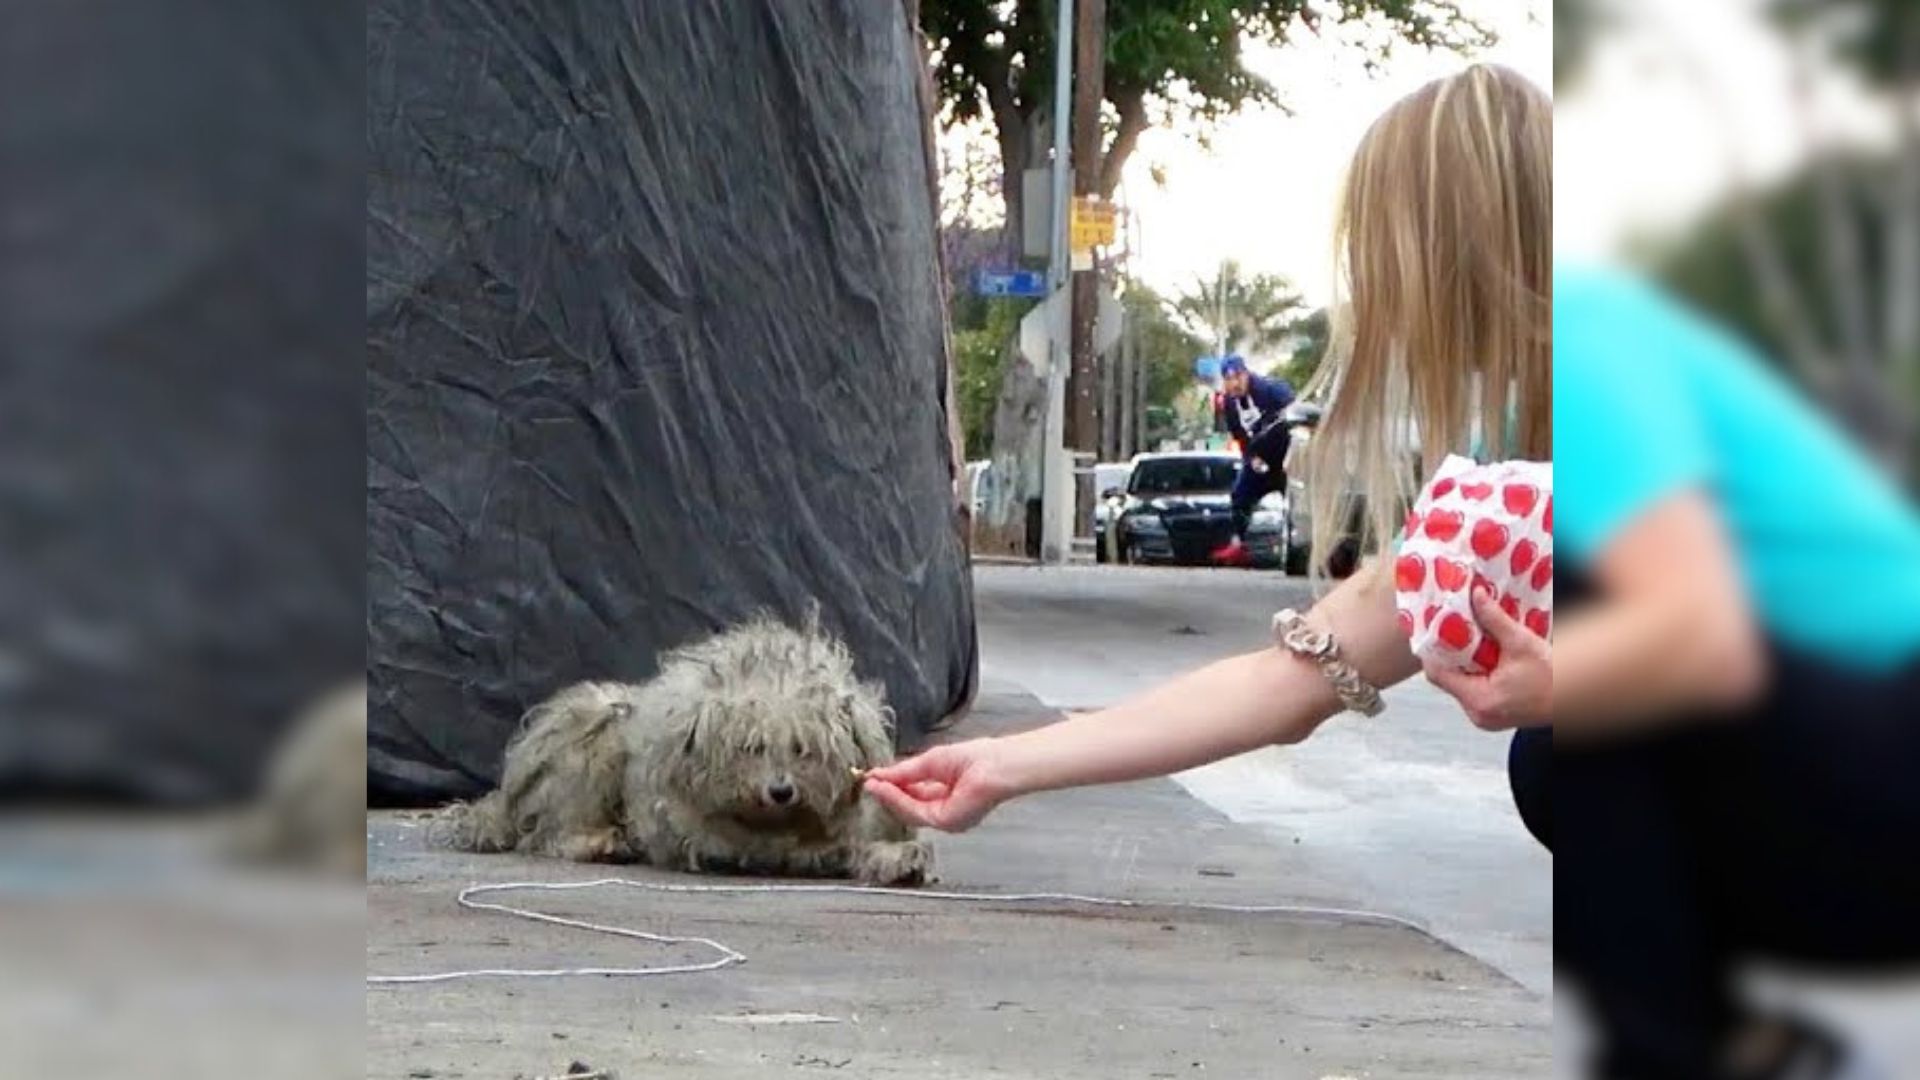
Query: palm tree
<point>1241,313</point>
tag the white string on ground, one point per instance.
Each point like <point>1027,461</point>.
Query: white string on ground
<point>728,957</point>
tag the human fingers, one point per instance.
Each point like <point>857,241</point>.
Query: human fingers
<point>1451,679</point>
<point>1475,693</point>
<point>900,803</point>
<point>1502,627</point>
<point>935,764</point>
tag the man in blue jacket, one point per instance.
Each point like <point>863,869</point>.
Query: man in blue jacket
<point>1253,404</point>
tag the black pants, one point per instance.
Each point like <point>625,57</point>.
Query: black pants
<point>1249,488</point>
<point>1790,833</point>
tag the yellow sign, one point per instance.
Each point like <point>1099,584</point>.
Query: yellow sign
<point>1092,224</point>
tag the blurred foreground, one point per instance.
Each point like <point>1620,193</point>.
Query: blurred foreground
<point>130,950</point>
<point>181,484</point>
<point>1760,161</point>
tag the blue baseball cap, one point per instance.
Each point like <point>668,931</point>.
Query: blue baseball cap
<point>1233,365</point>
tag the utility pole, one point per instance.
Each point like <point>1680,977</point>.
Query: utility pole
<point>1132,404</point>
<point>1125,399</point>
<point>1056,482</point>
<point>1108,366</point>
<point>1220,309</point>
<point>1089,87</point>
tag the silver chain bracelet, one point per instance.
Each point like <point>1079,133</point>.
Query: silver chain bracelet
<point>1291,632</point>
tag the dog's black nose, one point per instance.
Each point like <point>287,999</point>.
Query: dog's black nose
<point>781,793</point>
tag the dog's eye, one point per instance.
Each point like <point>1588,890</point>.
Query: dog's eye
<point>799,748</point>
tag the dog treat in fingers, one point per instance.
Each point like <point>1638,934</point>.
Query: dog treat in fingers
<point>1476,526</point>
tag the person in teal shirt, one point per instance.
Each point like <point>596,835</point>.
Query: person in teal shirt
<point>1652,400</point>
<point>1781,818</point>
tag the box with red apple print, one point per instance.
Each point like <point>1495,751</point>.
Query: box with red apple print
<point>1476,526</point>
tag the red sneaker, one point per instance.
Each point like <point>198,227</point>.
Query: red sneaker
<point>1232,554</point>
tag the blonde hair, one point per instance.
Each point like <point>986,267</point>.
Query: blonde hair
<point>1443,249</point>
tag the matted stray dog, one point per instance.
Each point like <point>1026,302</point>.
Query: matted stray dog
<point>312,810</point>
<point>743,755</point>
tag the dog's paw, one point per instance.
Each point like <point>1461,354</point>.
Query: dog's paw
<point>595,845</point>
<point>908,862</point>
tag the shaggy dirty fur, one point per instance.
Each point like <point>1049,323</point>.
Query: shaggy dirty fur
<point>312,811</point>
<point>741,756</point>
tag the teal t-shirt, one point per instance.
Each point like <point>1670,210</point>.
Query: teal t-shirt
<point>1650,400</point>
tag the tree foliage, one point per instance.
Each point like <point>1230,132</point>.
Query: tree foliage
<point>1711,266</point>
<point>980,354</point>
<point>1822,270</point>
<point>1312,333</point>
<point>994,61</point>
<point>1163,346</point>
<point>982,343</point>
<point>1576,24</point>
<point>1880,39</point>
<point>1252,313</point>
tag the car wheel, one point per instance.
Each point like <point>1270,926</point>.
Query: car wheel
<point>1298,562</point>
<point>1294,555</point>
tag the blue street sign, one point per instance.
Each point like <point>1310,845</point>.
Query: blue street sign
<point>1009,283</point>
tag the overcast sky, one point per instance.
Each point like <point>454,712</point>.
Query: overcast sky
<point>1680,99</point>
<point>1265,193</point>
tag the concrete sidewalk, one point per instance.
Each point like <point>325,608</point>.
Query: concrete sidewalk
<point>878,987</point>
<point>1409,813</point>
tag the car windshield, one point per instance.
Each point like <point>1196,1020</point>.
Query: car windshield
<point>1169,475</point>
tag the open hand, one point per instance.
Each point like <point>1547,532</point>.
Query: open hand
<point>1518,692</point>
<point>948,788</point>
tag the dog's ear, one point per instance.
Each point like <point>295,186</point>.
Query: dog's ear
<point>872,726</point>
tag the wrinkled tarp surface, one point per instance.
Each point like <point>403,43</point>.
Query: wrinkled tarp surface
<point>181,391</point>
<point>655,340</point>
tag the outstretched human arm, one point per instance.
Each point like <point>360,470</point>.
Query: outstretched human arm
<point>1226,708</point>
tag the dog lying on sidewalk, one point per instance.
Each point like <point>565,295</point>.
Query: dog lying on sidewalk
<point>312,811</point>
<point>743,755</point>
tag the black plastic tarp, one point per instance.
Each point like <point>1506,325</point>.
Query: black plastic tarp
<point>180,391</point>
<point>655,340</point>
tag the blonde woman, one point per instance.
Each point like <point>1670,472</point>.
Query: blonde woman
<point>1445,232</point>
